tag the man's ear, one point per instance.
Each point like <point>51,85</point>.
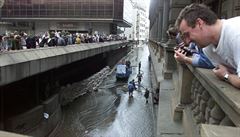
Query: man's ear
<point>199,22</point>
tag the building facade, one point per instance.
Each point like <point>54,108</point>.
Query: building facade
<point>141,25</point>
<point>84,16</point>
<point>139,30</point>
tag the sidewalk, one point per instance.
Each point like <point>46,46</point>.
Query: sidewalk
<point>166,127</point>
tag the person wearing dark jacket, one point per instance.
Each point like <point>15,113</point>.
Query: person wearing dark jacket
<point>146,95</point>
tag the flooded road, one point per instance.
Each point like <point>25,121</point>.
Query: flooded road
<point>110,112</point>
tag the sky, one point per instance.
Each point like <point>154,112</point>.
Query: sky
<point>147,3</point>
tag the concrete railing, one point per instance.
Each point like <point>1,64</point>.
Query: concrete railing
<point>219,131</point>
<point>7,134</point>
<point>207,106</point>
<point>164,52</point>
<point>207,100</point>
<point>154,50</point>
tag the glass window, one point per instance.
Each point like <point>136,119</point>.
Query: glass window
<point>71,13</point>
<point>63,8</point>
<point>29,13</point>
<point>77,12</point>
<point>55,12</point>
<point>36,10</point>
<point>63,13</point>
<point>71,6</point>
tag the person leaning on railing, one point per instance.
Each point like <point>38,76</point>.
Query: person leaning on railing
<point>191,54</point>
<point>219,38</point>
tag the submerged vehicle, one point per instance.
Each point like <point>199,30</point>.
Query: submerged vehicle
<point>123,71</point>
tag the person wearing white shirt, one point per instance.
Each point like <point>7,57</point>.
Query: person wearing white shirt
<point>219,38</point>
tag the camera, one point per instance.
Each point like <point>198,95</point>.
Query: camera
<point>186,50</point>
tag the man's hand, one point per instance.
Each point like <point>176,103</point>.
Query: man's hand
<point>180,55</point>
<point>233,79</point>
<point>220,71</point>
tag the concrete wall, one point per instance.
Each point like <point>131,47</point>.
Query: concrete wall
<point>226,13</point>
<point>38,121</point>
<point>101,28</point>
<point>48,67</point>
<point>42,26</point>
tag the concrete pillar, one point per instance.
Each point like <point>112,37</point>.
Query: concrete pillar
<point>37,89</point>
<point>169,60</point>
<point>2,27</point>
<point>185,84</point>
<point>165,20</point>
<point>175,6</point>
<point>160,20</point>
<point>170,13</point>
<point>1,110</point>
<point>155,31</point>
<point>183,90</point>
<point>234,12</point>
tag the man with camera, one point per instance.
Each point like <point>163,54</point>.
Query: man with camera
<point>219,38</point>
<point>191,54</point>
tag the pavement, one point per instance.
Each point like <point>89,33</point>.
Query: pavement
<point>166,126</point>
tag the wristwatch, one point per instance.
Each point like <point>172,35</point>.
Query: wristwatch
<point>226,77</point>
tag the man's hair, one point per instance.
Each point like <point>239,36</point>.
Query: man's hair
<point>194,11</point>
<point>172,32</point>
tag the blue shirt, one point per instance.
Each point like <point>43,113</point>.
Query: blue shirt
<point>199,59</point>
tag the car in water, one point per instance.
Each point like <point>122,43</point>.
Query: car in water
<point>123,71</point>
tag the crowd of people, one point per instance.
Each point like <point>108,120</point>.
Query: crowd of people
<point>20,40</point>
<point>218,41</point>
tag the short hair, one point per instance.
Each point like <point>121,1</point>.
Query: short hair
<point>194,11</point>
<point>172,32</point>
